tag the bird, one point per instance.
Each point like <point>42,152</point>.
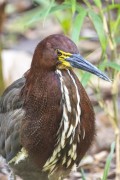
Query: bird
<point>47,122</point>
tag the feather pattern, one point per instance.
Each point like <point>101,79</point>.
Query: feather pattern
<point>66,133</point>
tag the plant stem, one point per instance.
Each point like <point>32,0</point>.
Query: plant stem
<point>117,154</point>
<point>2,18</point>
<point>115,95</point>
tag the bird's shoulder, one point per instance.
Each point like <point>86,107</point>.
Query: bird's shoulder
<point>10,100</point>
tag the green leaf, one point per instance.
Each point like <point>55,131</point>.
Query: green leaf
<point>29,18</point>
<point>113,65</point>
<point>85,78</point>
<point>42,2</point>
<point>73,2</point>
<point>98,24</point>
<point>98,3</point>
<point>43,12</point>
<point>48,10</point>
<point>108,161</point>
<point>82,174</point>
<point>111,7</point>
<point>77,24</point>
<point>21,23</point>
<point>117,24</point>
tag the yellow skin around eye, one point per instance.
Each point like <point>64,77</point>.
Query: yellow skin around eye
<point>62,58</point>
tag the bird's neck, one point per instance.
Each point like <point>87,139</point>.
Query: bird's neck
<point>42,115</point>
<point>35,80</point>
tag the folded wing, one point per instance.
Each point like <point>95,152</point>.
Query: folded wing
<point>11,115</point>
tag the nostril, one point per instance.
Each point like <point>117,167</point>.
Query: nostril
<point>58,52</point>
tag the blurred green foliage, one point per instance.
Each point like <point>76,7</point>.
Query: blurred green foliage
<point>71,16</point>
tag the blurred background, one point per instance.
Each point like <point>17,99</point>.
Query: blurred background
<point>94,26</point>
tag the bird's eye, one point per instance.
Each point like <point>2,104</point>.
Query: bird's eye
<point>58,52</point>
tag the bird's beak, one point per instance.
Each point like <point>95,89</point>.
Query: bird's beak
<point>77,61</point>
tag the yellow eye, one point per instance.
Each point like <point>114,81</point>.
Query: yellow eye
<point>58,52</point>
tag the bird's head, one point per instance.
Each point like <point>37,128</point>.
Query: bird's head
<point>59,52</point>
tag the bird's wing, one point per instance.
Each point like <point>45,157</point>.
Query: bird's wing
<point>11,115</point>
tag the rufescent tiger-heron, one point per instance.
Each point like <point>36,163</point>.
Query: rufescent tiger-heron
<point>47,121</point>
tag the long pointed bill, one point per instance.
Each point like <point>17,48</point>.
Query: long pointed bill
<point>77,61</point>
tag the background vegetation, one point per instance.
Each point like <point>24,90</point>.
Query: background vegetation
<point>104,18</point>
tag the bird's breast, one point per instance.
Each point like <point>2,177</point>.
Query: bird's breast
<point>56,127</point>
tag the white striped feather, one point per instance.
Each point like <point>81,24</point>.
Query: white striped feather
<point>68,131</point>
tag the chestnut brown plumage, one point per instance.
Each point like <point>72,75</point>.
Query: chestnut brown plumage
<point>46,118</point>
